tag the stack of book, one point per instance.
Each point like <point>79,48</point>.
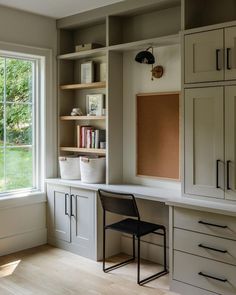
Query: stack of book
<point>89,137</point>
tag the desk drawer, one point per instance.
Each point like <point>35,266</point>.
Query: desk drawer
<point>207,246</point>
<point>194,270</point>
<point>205,222</point>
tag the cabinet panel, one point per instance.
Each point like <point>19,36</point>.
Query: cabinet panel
<point>194,271</point>
<point>230,53</point>
<point>204,142</point>
<point>230,142</point>
<point>82,227</point>
<point>205,246</point>
<point>204,57</point>
<point>58,212</point>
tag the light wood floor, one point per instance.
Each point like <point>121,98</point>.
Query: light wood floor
<point>47,270</point>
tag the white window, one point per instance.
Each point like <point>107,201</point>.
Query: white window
<point>19,123</point>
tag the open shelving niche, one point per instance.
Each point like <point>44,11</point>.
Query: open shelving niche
<point>116,34</point>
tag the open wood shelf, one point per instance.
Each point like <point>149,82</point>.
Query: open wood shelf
<point>84,54</point>
<point>82,118</point>
<point>93,85</point>
<point>84,150</point>
<point>155,42</point>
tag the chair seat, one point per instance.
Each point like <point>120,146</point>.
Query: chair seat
<point>134,227</point>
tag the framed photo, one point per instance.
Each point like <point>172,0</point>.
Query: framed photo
<point>95,104</point>
<point>87,72</point>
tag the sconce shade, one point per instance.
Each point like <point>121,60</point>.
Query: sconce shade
<point>145,57</point>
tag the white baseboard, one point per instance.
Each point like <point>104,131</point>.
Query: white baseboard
<point>149,251</point>
<point>23,241</point>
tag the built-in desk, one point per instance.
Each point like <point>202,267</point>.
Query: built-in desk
<point>80,230</point>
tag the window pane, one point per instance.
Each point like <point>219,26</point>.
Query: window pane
<point>1,124</point>
<point>18,124</point>
<point>2,181</point>
<point>1,79</point>
<point>19,168</point>
<point>18,80</point>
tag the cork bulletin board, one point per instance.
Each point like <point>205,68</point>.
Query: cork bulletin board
<point>158,135</point>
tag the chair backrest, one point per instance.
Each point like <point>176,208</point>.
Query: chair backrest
<point>118,203</point>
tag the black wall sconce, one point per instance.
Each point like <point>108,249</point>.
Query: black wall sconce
<point>147,57</point>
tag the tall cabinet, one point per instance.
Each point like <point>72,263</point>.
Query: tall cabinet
<point>209,122</point>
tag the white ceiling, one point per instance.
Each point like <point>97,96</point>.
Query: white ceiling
<point>56,8</point>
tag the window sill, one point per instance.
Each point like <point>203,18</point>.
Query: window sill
<point>22,199</point>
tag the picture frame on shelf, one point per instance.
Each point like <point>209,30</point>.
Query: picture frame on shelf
<point>87,72</point>
<point>95,104</point>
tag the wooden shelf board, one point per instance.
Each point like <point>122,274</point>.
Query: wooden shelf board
<point>83,118</point>
<point>84,150</point>
<point>155,42</point>
<point>93,85</point>
<point>84,54</point>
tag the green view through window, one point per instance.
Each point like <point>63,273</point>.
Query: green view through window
<point>17,124</point>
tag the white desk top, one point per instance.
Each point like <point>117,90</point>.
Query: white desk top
<point>171,197</point>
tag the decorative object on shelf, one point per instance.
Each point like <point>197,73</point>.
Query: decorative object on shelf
<point>103,71</point>
<point>102,145</point>
<point>76,112</point>
<point>87,72</point>
<point>95,104</point>
<point>90,138</point>
<point>87,46</point>
<point>147,57</point>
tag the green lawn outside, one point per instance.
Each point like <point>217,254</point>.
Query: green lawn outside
<point>18,169</point>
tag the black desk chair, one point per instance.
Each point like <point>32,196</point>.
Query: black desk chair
<point>125,204</point>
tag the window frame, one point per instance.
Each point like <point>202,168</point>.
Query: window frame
<point>39,112</point>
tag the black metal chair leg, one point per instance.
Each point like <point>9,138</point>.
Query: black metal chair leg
<point>159,274</point>
<point>133,246</point>
<point>104,246</point>
<point>165,262</point>
<point>138,266</point>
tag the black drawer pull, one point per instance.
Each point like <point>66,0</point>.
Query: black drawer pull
<point>71,205</point>
<point>228,175</point>
<point>212,224</point>
<point>212,249</point>
<point>227,58</point>
<point>217,173</point>
<point>66,209</point>
<point>211,277</point>
<point>217,60</point>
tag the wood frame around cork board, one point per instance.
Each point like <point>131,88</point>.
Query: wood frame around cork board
<point>158,135</point>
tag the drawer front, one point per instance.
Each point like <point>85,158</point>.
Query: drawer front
<point>206,246</point>
<point>194,270</point>
<point>205,222</point>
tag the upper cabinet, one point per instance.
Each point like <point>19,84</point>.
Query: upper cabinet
<point>203,57</point>
<point>210,56</point>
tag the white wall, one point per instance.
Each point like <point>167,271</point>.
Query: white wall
<point>24,225</point>
<point>137,79</point>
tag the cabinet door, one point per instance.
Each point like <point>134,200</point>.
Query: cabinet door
<point>59,212</point>
<point>204,142</point>
<point>230,142</point>
<point>83,219</point>
<point>204,57</point>
<point>230,53</point>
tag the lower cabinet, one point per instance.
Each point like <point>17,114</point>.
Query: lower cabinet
<point>71,219</point>
<point>204,255</point>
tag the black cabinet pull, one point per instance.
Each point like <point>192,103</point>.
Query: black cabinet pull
<point>212,249</point>
<point>212,277</point>
<point>66,209</point>
<point>227,174</point>
<point>212,224</point>
<point>217,173</point>
<point>217,60</point>
<point>227,58</point>
<point>71,206</point>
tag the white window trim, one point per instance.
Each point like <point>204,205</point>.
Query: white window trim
<point>47,132</point>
